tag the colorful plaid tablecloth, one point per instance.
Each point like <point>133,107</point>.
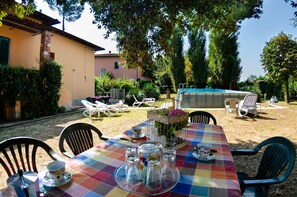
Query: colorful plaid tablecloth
<point>93,171</point>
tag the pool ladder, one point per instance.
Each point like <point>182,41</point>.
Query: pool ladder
<point>179,94</point>
<point>182,85</point>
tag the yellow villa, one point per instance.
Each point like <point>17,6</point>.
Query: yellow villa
<point>24,42</point>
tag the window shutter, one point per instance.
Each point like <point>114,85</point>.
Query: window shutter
<point>4,50</point>
<point>116,65</point>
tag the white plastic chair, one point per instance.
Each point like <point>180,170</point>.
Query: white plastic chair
<point>118,107</point>
<point>231,105</point>
<point>121,106</point>
<point>92,109</point>
<point>248,105</point>
<point>148,101</point>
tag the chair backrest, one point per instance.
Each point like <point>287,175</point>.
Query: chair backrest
<point>100,104</point>
<point>88,105</point>
<point>79,138</point>
<point>278,156</point>
<point>250,100</point>
<point>202,117</point>
<point>135,98</point>
<point>232,102</point>
<point>19,153</point>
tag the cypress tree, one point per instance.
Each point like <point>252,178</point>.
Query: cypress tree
<point>224,62</point>
<point>197,56</point>
<point>177,66</point>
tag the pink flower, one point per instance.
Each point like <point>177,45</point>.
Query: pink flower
<point>176,112</point>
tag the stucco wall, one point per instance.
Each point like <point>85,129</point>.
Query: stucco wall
<point>24,47</point>
<point>108,64</point>
<point>77,62</point>
<point>78,69</point>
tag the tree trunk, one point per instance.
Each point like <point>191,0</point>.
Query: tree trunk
<point>168,92</point>
<point>63,22</point>
<point>287,96</point>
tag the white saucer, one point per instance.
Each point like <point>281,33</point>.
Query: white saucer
<point>208,158</point>
<point>49,183</point>
<point>141,135</point>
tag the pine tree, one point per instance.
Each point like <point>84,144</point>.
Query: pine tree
<point>70,10</point>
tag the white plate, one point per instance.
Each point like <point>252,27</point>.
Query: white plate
<point>49,183</point>
<point>141,135</point>
<point>208,158</point>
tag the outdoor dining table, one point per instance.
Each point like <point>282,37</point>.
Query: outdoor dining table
<point>93,171</point>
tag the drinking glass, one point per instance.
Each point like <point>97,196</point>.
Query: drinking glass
<point>154,176</point>
<point>130,154</point>
<point>169,164</point>
<point>133,174</point>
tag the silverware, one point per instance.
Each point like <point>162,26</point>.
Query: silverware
<point>126,139</point>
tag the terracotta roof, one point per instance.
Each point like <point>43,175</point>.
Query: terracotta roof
<point>107,55</point>
<point>38,22</point>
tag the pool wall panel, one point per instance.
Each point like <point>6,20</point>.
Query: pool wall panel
<point>207,100</point>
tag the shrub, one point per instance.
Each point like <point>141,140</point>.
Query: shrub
<point>62,110</point>
<point>142,83</point>
<point>126,84</point>
<point>129,96</point>
<point>51,76</point>
<point>103,84</point>
<point>150,90</point>
<point>37,90</point>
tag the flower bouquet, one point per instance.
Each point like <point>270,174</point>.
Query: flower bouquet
<point>170,123</point>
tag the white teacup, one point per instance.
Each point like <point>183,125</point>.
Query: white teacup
<point>56,171</point>
<point>136,130</point>
<point>203,150</point>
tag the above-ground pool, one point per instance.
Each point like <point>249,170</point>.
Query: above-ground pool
<point>206,98</point>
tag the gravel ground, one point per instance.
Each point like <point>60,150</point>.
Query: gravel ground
<point>240,132</point>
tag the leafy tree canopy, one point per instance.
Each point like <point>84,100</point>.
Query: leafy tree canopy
<point>294,5</point>
<point>70,10</point>
<point>279,59</point>
<point>144,27</point>
<point>20,10</point>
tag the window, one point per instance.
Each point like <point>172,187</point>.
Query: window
<point>52,56</point>
<point>103,71</point>
<point>4,50</point>
<point>116,65</point>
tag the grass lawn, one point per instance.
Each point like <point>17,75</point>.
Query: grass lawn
<point>240,132</point>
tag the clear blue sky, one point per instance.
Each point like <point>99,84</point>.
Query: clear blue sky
<point>254,33</point>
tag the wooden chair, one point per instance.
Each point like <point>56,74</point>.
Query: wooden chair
<point>275,167</point>
<point>79,138</point>
<point>202,117</point>
<point>19,153</point>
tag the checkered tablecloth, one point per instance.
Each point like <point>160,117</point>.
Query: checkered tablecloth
<point>93,171</point>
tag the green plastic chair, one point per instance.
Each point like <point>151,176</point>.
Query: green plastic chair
<point>202,117</point>
<point>275,167</point>
<point>79,138</point>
